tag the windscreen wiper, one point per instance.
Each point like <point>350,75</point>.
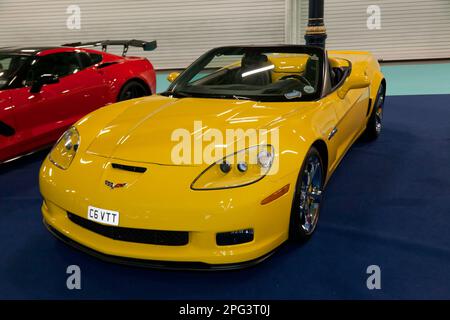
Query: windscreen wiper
<point>241,97</point>
<point>175,94</point>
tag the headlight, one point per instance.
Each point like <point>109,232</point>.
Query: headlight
<point>65,149</point>
<point>236,170</point>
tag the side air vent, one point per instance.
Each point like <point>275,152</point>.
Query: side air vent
<point>6,130</point>
<point>368,108</point>
<point>129,168</point>
<point>106,64</point>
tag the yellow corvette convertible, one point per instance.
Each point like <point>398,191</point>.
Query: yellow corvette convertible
<point>222,168</point>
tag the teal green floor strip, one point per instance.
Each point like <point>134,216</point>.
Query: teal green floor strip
<point>161,81</point>
<point>414,79</point>
<point>402,79</point>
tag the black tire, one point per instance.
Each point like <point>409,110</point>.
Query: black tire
<point>297,230</point>
<point>375,124</point>
<point>133,89</point>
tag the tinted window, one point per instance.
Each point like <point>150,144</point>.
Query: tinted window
<point>85,59</point>
<point>96,58</point>
<point>9,65</point>
<point>89,59</point>
<point>60,64</point>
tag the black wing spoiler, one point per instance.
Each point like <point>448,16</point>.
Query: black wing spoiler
<point>145,45</point>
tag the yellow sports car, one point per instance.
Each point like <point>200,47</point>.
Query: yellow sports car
<point>218,171</point>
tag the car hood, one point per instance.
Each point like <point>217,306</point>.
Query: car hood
<point>143,131</point>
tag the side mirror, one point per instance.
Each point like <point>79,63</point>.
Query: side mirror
<point>44,79</point>
<point>358,79</point>
<point>172,76</point>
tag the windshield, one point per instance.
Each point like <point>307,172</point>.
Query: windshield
<point>9,64</point>
<point>257,73</point>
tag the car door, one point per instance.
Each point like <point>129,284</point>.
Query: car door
<point>96,88</point>
<point>10,64</point>
<point>351,114</point>
<point>43,116</point>
<point>7,126</point>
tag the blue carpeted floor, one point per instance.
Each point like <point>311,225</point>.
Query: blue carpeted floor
<point>388,204</point>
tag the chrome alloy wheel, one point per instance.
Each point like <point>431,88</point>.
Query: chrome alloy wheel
<point>310,194</point>
<point>379,114</point>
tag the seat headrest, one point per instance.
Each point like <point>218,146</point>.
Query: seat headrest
<point>311,65</point>
<point>253,59</point>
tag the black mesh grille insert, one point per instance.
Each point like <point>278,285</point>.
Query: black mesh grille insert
<point>158,237</point>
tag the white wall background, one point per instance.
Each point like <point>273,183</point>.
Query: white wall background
<point>183,29</point>
<point>410,29</point>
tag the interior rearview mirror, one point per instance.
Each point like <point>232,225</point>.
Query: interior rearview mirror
<point>172,76</point>
<point>43,79</point>
<point>356,80</point>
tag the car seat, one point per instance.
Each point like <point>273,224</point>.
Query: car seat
<point>311,72</point>
<point>252,62</point>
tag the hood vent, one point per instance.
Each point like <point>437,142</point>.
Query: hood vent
<point>129,168</point>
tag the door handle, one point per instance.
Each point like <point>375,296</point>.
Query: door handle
<point>332,133</point>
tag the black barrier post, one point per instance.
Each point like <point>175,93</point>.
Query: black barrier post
<point>315,32</point>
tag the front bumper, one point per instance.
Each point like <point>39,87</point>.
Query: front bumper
<point>168,265</point>
<point>169,207</point>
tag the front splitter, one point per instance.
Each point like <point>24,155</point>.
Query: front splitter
<point>156,264</point>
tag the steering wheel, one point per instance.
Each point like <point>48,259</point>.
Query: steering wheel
<point>297,77</point>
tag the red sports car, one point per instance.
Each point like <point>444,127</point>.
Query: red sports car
<point>45,90</point>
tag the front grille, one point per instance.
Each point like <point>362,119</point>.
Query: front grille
<point>157,237</point>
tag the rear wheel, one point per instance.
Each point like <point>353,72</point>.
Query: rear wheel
<point>308,197</point>
<point>375,122</point>
<point>132,90</point>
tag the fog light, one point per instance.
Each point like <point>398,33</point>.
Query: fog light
<point>234,237</point>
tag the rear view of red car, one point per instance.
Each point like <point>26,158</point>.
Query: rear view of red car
<point>45,90</point>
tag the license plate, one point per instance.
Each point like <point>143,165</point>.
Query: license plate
<point>103,216</point>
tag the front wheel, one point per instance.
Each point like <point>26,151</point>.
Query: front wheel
<point>308,197</point>
<point>132,90</point>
